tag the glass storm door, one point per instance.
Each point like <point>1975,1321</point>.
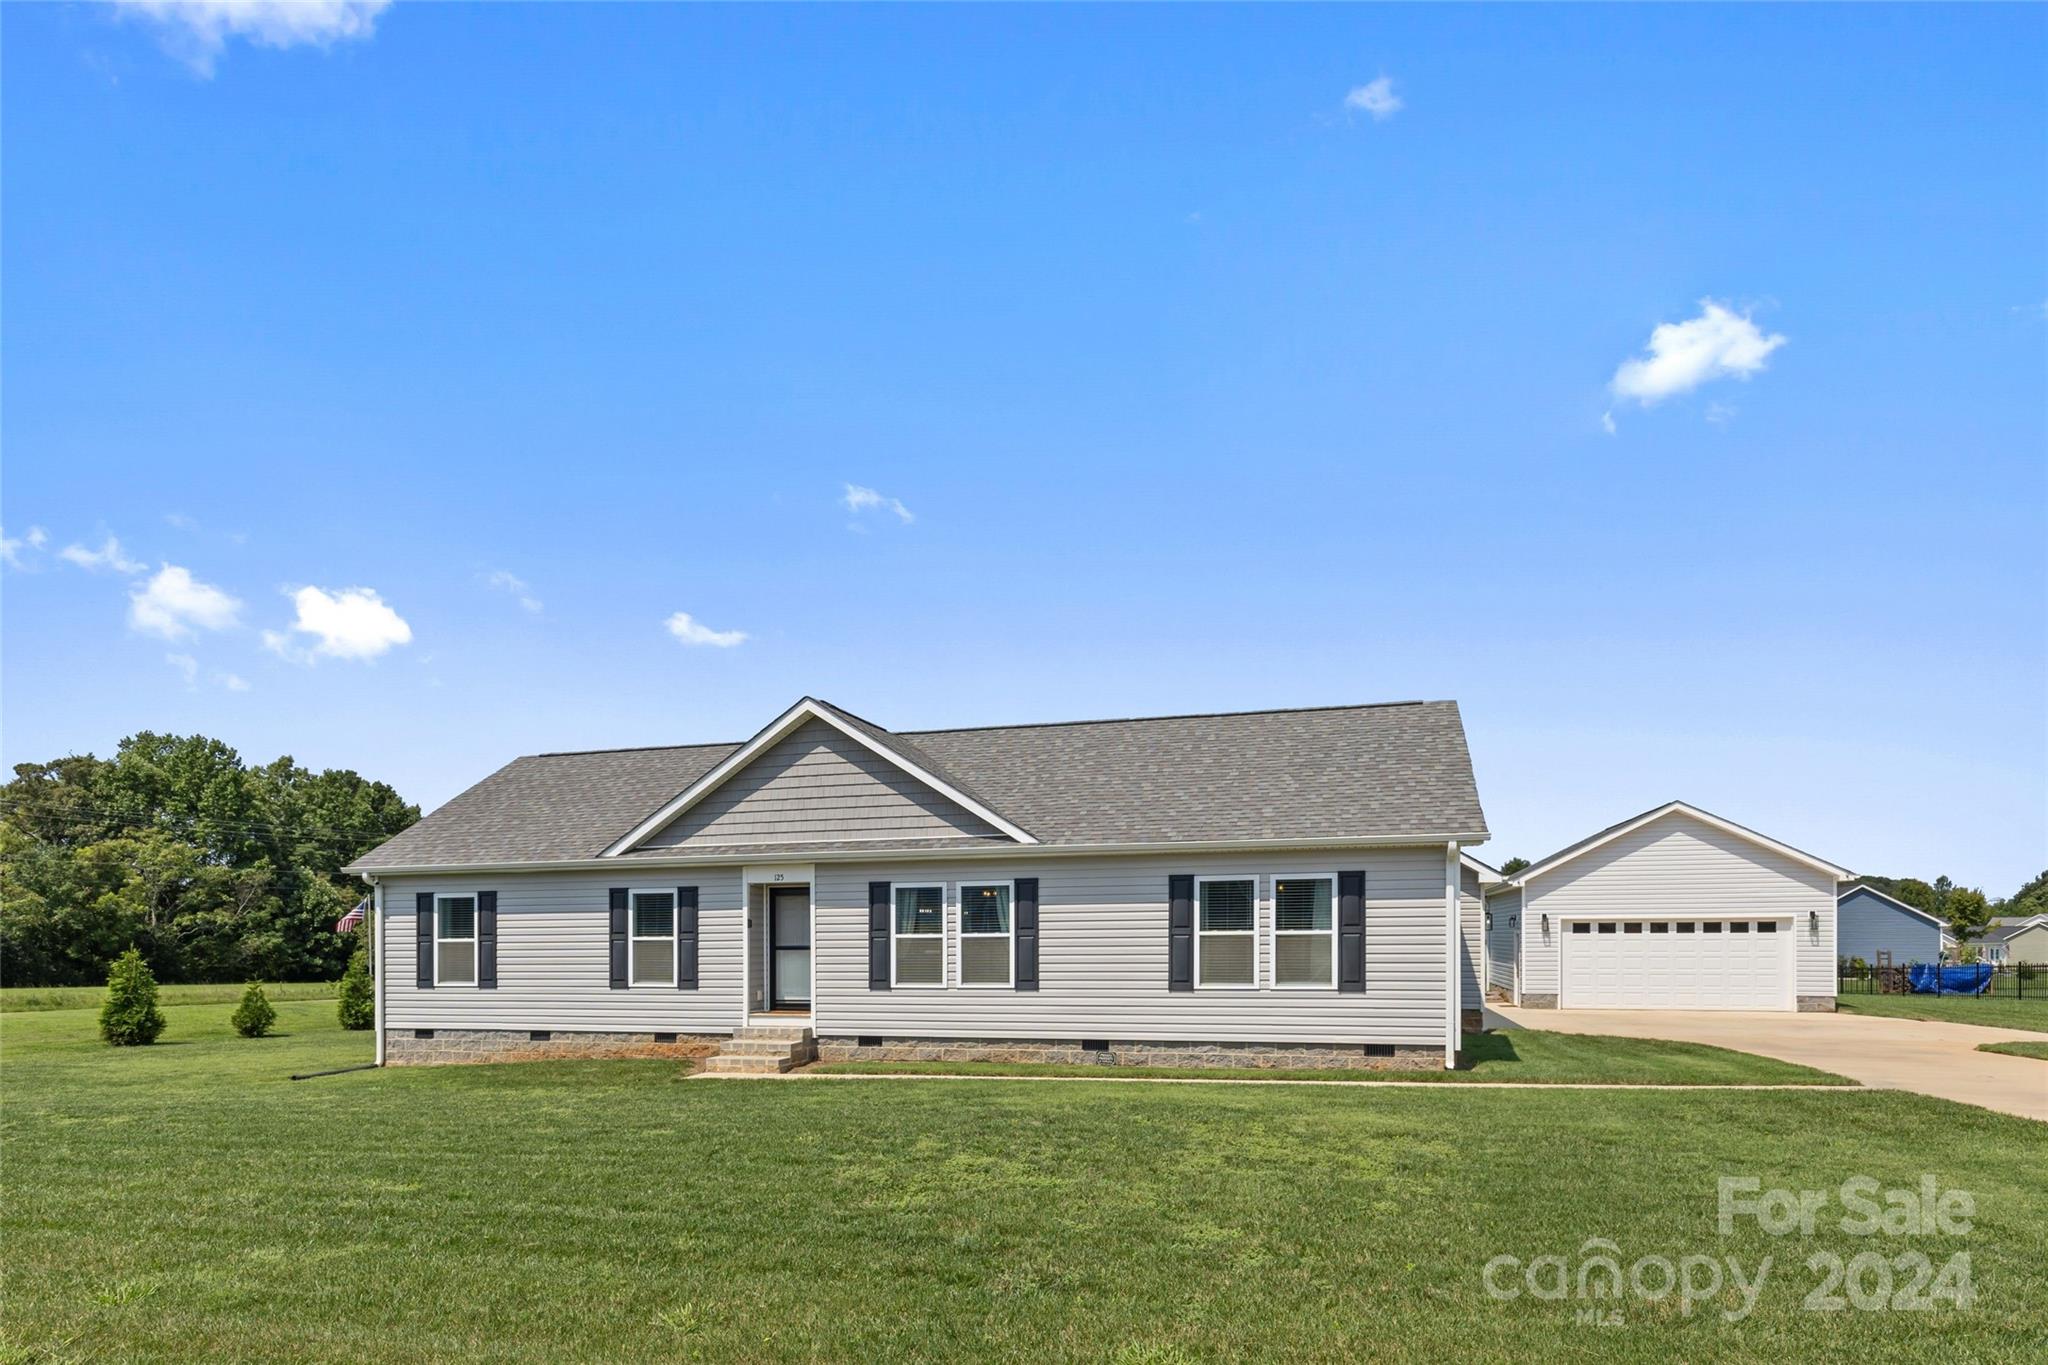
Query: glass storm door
<point>789,948</point>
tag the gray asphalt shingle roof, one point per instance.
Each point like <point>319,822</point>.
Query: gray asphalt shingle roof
<point>1342,772</point>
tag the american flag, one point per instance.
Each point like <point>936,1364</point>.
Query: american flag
<point>347,923</point>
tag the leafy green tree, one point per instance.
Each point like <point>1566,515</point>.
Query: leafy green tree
<point>255,1016</point>
<point>130,1017</point>
<point>1512,866</point>
<point>1967,912</point>
<point>358,1003</point>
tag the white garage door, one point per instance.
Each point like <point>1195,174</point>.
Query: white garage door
<point>1694,964</point>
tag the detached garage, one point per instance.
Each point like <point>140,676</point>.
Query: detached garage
<point>1676,908</point>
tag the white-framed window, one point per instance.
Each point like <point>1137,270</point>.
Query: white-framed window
<point>455,939</point>
<point>651,930</point>
<point>1305,931</point>
<point>917,942</point>
<point>1226,933</point>
<point>986,948</point>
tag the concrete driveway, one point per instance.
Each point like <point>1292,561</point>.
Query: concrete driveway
<point>1891,1054</point>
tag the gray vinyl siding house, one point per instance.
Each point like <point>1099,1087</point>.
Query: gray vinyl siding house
<point>1870,923</point>
<point>1273,888</point>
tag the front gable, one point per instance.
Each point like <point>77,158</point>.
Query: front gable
<point>816,775</point>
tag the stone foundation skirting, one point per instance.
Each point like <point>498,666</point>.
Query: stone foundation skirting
<point>1471,1020</point>
<point>1536,1000</point>
<point>1272,1056</point>
<point>403,1048</point>
<point>1816,1004</point>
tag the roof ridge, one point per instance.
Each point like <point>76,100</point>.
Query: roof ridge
<point>1021,725</point>
<point>1181,715</point>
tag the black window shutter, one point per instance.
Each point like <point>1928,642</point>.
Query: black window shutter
<point>1024,923</point>
<point>686,938</point>
<point>618,938</point>
<point>1180,932</point>
<point>425,975</point>
<point>878,936</point>
<point>487,940</point>
<point>1351,932</point>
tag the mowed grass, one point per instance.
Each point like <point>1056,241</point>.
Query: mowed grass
<point>185,1201</point>
<point>1519,1055</point>
<point>2039,1050</point>
<point>1992,1011</point>
<point>15,999</point>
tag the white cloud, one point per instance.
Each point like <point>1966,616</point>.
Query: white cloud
<point>1717,344</point>
<point>1376,98</point>
<point>186,665</point>
<point>1720,414</point>
<point>197,31</point>
<point>232,682</point>
<point>859,499</point>
<point>348,623</point>
<point>108,556</point>
<point>1607,422</point>
<point>35,538</point>
<point>693,632</point>
<point>514,584</point>
<point>173,604</point>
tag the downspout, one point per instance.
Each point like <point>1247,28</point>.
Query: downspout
<point>1453,938</point>
<point>377,960</point>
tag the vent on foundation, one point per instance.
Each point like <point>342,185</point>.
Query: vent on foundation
<point>1379,1049</point>
<point>664,1037</point>
<point>1094,1045</point>
<point>868,1040</point>
<point>422,1033</point>
<point>539,1035</point>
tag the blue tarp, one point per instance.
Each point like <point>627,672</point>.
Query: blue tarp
<point>1929,979</point>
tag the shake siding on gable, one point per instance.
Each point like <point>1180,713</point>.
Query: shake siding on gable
<point>1102,956</point>
<point>1677,866</point>
<point>554,969</point>
<point>816,783</point>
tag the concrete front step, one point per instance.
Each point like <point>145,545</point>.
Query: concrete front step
<point>767,1047</point>
<point>787,1033</point>
<point>725,1064</point>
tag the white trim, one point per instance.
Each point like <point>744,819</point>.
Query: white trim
<point>1487,875</point>
<point>1454,938</point>
<point>1251,933</point>
<point>1273,932</point>
<point>805,710</point>
<point>894,982</point>
<point>779,874</point>
<point>475,911</point>
<point>1841,896</point>
<point>1557,860</point>
<point>982,852</point>
<point>633,894</point>
<point>377,931</point>
<point>1008,936</point>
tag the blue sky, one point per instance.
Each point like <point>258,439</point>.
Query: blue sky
<point>1208,372</point>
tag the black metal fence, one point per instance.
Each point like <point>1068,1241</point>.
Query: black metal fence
<point>2009,981</point>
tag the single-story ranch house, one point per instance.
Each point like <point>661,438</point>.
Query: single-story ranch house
<point>2015,939</point>
<point>1873,923</point>
<point>1675,908</point>
<point>1272,888</point>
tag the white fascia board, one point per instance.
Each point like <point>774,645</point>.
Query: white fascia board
<point>805,710</point>
<point>1555,861</point>
<point>983,852</point>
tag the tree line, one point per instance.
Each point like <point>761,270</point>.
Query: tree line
<point>213,869</point>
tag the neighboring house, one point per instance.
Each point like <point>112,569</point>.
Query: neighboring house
<point>1675,908</point>
<point>1869,922</point>
<point>2016,939</point>
<point>1276,887</point>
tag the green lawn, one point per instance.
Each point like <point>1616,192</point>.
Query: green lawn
<point>185,1201</point>
<point>2039,1050</point>
<point>14,999</point>
<point>1993,1011</point>
<point>1511,1055</point>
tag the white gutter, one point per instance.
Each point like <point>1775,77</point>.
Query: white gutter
<point>981,853</point>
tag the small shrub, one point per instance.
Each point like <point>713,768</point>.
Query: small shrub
<point>130,1017</point>
<point>254,1016</point>
<point>357,1004</point>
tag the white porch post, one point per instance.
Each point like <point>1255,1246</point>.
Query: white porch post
<point>377,960</point>
<point>1453,938</point>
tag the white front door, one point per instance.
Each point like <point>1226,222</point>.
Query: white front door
<point>1691,964</point>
